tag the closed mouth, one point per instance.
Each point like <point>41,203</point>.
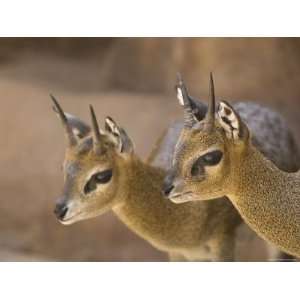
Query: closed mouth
<point>177,196</point>
<point>69,219</point>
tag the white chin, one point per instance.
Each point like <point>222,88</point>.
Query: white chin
<point>68,222</point>
<point>178,200</point>
<point>71,220</point>
<point>81,216</point>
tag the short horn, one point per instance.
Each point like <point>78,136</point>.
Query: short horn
<point>96,132</point>
<point>67,127</point>
<point>210,115</point>
<point>184,100</point>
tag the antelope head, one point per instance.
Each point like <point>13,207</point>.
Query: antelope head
<point>207,152</point>
<point>94,167</point>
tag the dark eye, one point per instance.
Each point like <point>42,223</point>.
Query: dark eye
<point>208,159</point>
<point>212,158</point>
<point>103,177</point>
<point>98,178</point>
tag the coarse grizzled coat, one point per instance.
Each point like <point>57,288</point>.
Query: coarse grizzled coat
<point>217,156</point>
<point>132,189</point>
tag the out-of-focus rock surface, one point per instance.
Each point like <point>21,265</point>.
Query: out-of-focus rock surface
<point>132,80</point>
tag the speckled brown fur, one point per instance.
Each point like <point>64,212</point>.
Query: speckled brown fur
<point>275,212</point>
<point>266,197</point>
<point>192,231</point>
<point>171,227</point>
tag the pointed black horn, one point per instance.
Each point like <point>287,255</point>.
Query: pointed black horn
<point>96,132</point>
<point>68,129</point>
<point>210,115</point>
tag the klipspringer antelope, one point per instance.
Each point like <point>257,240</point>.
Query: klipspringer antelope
<point>102,172</point>
<point>245,159</point>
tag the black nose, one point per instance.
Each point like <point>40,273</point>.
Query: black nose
<point>168,185</point>
<point>60,210</point>
<point>167,190</point>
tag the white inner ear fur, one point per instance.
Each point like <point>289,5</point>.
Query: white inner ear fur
<point>76,132</point>
<point>180,96</point>
<point>114,129</point>
<point>232,129</point>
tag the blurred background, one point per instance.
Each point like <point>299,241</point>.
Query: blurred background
<point>131,79</point>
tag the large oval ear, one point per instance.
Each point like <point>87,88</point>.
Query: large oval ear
<point>119,136</point>
<point>79,128</point>
<point>232,123</point>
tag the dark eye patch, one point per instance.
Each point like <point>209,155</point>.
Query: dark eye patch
<point>98,178</point>
<point>208,159</point>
